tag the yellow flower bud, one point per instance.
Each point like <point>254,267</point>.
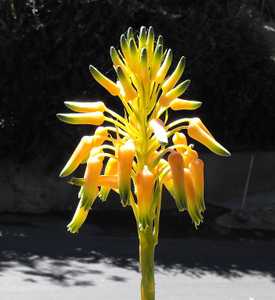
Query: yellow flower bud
<point>145,186</point>
<point>189,155</point>
<point>171,81</point>
<point>179,138</point>
<point>181,104</point>
<point>108,84</point>
<point>129,93</point>
<point>86,106</point>
<point>80,154</point>
<point>176,163</point>
<point>197,131</point>
<point>111,169</point>
<point>161,73</point>
<point>89,118</point>
<point>142,37</point>
<point>126,155</point>
<point>144,65</point>
<point>125,49</point>
<point>156,61</point>
<point>174,93</point>
<point>150,43</point>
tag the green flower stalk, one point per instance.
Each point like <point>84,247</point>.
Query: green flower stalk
<point>142,151</point>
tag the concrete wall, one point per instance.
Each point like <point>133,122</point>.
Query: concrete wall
<point>36,188</point>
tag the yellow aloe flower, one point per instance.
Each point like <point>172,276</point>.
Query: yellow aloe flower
<point>110,170</point>
<point>126,154</point>
<point>144,187</point>
<point>199,132</point>
<point>176,163</point>
<point>136,147</point>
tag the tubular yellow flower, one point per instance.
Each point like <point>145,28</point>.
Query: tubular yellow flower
<point>189,155</point>
<point>197,131</point>
<point>156,61</point>
<point>86,106</point>
<point>109,181</point>
<point>174,93</point>
<point>197,170</point>
<point>108,84</point>
<point>193,205</point>
<point>126,155</point>
<point>181,104</point>
<point>161,73</point>
<point>145,185</point>
<point>81,153</point>
<point>176,163</point>
<point>91,176</point>
<point>89,118</point>
<point>110,170</point>
<point>78,219</point>
<point>128,91</point>
<point>171,81</point>
<point>88,193</point>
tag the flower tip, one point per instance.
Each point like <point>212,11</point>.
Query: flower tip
<point>226,153</point>
<point>61,117</point>
<point>63,173</point>
<point>92,69</point>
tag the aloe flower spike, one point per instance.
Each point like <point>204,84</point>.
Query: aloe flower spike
<point>140,161</point>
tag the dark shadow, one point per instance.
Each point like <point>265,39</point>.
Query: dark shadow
<point>43,250</point>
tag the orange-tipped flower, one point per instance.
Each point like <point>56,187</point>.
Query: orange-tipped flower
<point>126,155</point>
<point>176,163</point>
<point>145,186</point>
<point>198,131</point>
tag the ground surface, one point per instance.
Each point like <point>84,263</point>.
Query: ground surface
<point>39,260</point>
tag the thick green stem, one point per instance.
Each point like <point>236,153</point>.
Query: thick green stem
<point>146,259</point>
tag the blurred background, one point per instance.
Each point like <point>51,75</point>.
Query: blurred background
<point>45,50</point>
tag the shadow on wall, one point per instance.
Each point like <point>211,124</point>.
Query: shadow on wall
<point>43,251</point>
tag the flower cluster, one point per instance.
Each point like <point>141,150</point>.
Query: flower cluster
<point>131,154</point>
